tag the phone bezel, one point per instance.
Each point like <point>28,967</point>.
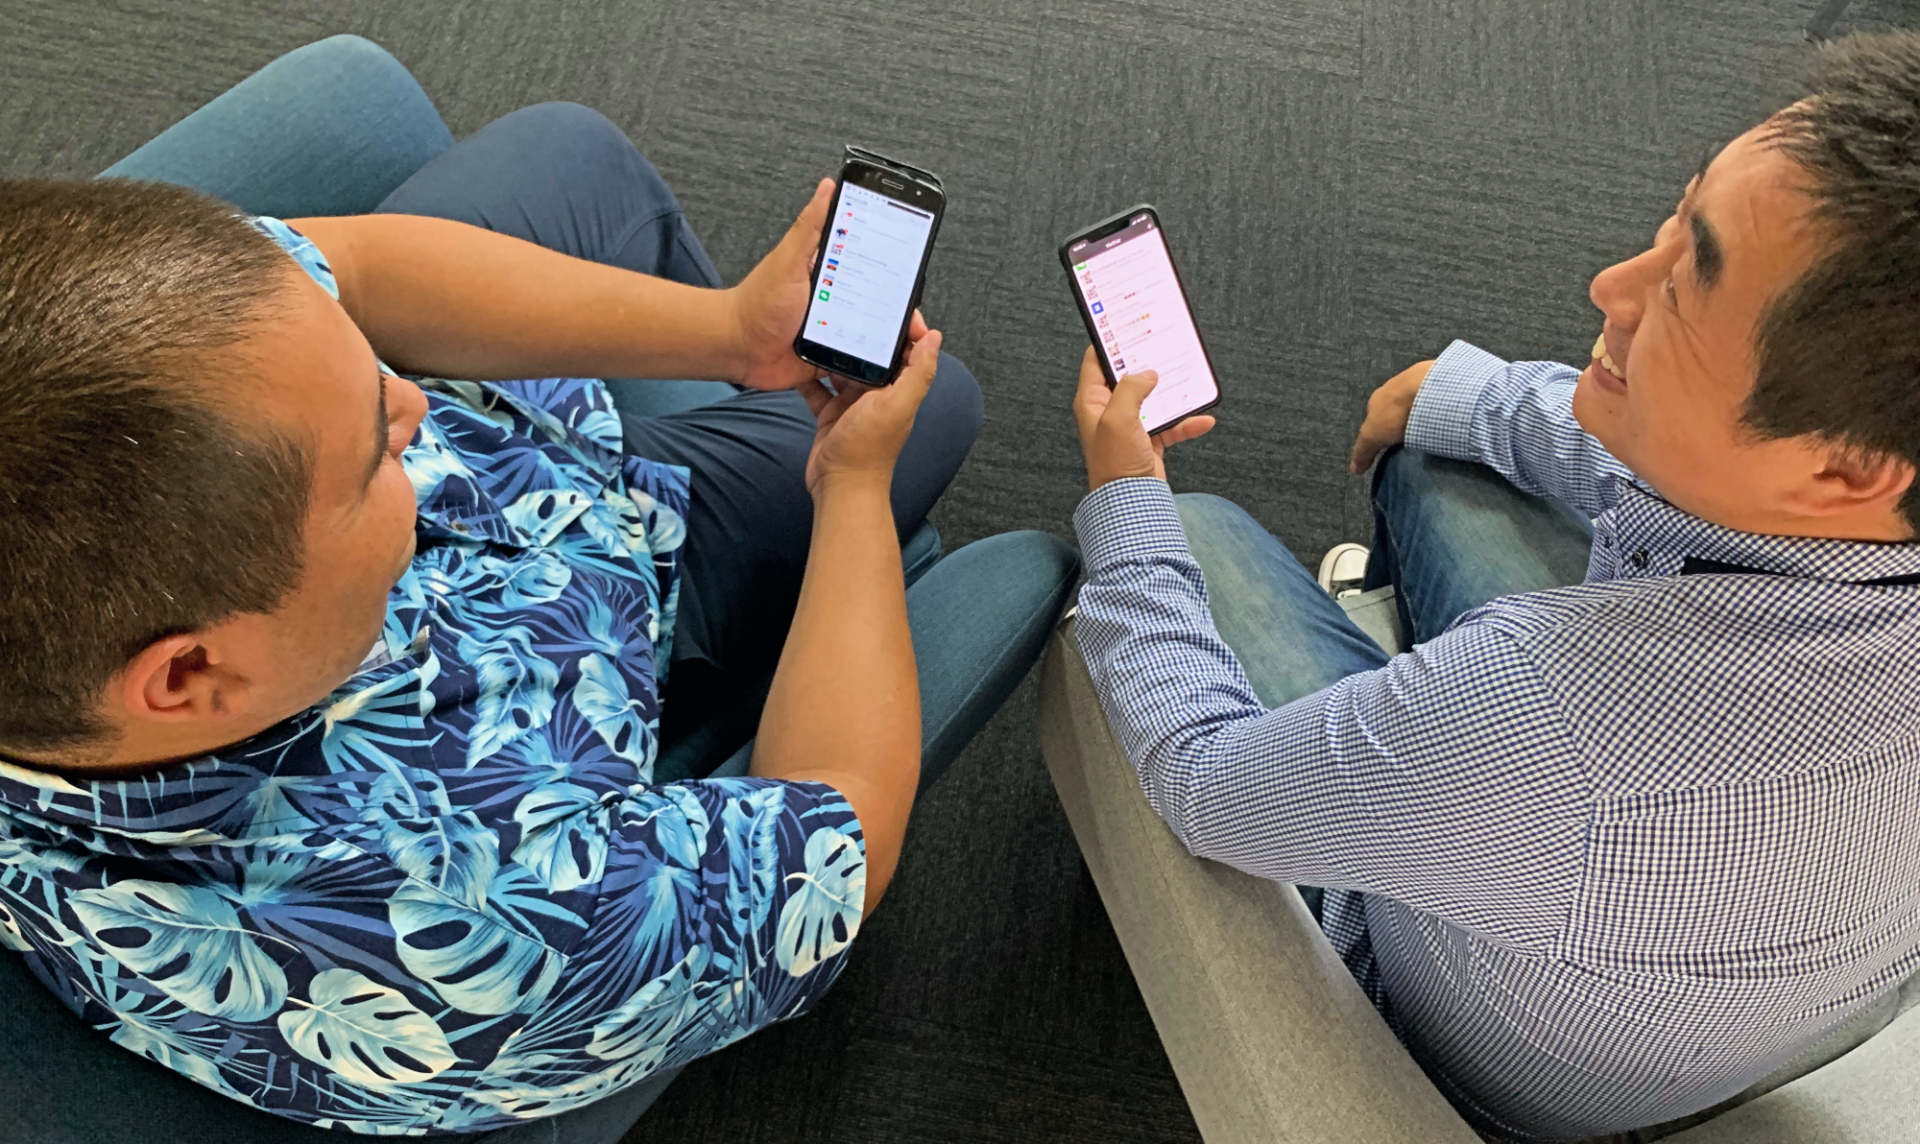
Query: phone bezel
<point>888,181</point>
<point>1112,225</point>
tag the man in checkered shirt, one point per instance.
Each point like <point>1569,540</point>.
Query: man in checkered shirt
<point>1603,854</point>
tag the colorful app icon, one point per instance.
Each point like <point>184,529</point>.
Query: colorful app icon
<point>1098,308</point>
<point>1080,266</point>
<point>1118,363</point>
<point>826,282</point>
<point>824,295</point>
<point>1107,335</point>
<point>823,321</point>
<point>1103,319</point>
<point>837,246</point>
<point>842,232</point>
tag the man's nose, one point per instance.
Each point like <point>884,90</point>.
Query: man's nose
<point>408,405</point>
<point>1624,290</point>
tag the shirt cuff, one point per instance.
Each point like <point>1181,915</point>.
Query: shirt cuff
<point>1126,519</point>
<point>1442,417</point>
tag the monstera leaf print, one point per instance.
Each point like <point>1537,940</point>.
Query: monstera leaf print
<point>644,1026</point>
<point>823,915</point>
<point>473,960</point>
<point>365,1032</point>
<point>603,428</point>
<point>666,529</point>
<point>516,689</point>
<point>680,825</point>
<point>753,857</point>
<point>163,1047</point>
<point>535,579</point>
<point>428,463</point>
<point>542,513</point>
<point>454,853</point>
<point>187,941</point>
<point>364,724</point>
<point>563,835</point>
<point>602,697</point>
<point>11,935</point>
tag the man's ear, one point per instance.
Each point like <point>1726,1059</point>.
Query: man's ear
<point>1850,482</point>
<point>178,679</point>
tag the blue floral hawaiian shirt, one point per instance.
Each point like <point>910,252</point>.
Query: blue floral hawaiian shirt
<point>451,897</point>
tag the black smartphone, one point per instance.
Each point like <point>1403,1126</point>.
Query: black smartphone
<point>871,266</point>
<point>1136,311</point>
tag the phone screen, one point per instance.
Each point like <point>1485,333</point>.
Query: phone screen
<point>867,272</point>
<point>1134,302</point>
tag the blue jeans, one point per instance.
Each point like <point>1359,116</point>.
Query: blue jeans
<point>339,127</point>
<point>1448,535</point>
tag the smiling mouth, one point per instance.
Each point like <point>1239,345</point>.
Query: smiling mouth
<point>1602,359</point>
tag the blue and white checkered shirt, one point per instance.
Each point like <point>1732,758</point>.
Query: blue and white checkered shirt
<point>1603,855</point>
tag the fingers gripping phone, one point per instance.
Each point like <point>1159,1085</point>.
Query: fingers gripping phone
<point>1137,314</point>
<point>870,268</point>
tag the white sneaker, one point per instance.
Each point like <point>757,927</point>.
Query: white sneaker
<point>1343,569</point>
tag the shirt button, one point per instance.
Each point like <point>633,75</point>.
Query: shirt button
<point>1638,560</point>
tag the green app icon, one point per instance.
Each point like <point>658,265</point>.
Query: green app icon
<point>823,295</point>
<point>1080,266</point>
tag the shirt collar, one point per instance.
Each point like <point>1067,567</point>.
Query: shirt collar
<point>1652,537</point>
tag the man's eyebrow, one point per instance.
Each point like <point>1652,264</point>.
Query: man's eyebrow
<point>381,430</point>
<point>1708,258</point>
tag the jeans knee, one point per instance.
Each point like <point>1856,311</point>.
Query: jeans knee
<point>956,398</point>
<point>1198,510</point>
<point>1391,473</point>
<point>348,53</point>
<point>574,134</point>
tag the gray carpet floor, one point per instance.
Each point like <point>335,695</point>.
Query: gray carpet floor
<point>1348,183</point>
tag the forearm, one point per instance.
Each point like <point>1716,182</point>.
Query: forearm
<point>443,298</point>
<point>1516,418</point>
<point>845,703</point>
<point>1167,681</point>
<point>1389,781</point>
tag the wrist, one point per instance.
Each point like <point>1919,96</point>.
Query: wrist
<point>1098,477</point>
<point>853,484</point>
<point>736,342</point>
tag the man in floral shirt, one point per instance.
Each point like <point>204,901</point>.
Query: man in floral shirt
<point>333,697</point>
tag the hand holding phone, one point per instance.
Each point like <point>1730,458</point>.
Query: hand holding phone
<point>870,267</point>
<point>1136,311</point>
<point>1113,433</point>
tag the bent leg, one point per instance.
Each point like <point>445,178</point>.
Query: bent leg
<point>748,533</point>
<point>1290,636</point>
<point>980,620</point>
<point>1452,535</point>
<point>565,177</point>
<point>327,129</point>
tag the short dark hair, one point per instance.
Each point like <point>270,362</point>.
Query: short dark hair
<point>130,509</point>
<point>1839,350</point>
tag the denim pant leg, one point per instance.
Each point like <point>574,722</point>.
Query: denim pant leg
<point>566,177</point>
<point>1452,535</point>
<point>327,129</point>
<point>1291,638</point>
<point>980,619</point>
<point>748,533</point>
